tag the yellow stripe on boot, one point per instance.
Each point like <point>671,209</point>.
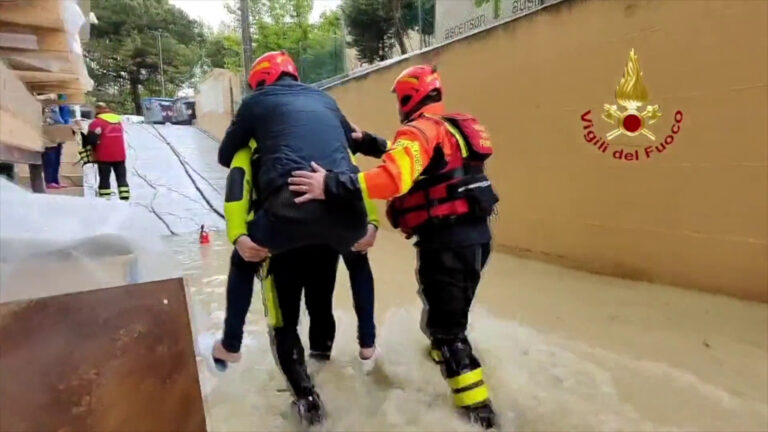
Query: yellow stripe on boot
<point>466,379</point>
<point>471,397</point>
<point>469,388</point>
<point>436,355</point>
<point>105,193</point>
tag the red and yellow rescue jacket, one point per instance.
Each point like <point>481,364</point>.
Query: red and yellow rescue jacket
<point>109,144</point>
<point>434,170</point>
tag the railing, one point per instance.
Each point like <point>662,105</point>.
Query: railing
<point>469,24</point>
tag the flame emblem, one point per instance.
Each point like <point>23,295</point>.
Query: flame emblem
<point>632,94</point>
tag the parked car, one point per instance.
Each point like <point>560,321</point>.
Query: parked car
<point>157,110</point>
<point>184,111</point>
<point>133,119</point>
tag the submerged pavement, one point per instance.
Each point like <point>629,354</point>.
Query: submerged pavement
<point>562,349</point>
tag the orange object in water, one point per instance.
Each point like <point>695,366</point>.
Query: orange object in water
<point>205,237</point>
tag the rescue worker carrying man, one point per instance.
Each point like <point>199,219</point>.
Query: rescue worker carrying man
<point>280,128</point>
<point>105,137</point>
<point>434,176</point>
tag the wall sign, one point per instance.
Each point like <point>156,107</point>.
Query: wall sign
<point>630,119</point>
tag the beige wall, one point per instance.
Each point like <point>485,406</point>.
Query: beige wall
<point>693,216</point>
<point>216,101</point>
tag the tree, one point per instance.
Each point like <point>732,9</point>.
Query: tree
<point>370,28</point>
<point>123,55</point>
<point>377,26</point>
<point>317,48</point>
<point>225,51</point>
<point>410,17</point>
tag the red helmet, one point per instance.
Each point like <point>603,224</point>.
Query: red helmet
<point>269,67</point>
<point>413,84</point>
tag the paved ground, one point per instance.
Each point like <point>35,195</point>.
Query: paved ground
<point>173,174</point>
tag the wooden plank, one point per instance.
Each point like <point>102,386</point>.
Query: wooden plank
<point>73,98</point>
<point>35,77</point>
<point>44,61</point>
<point>51,40</point>
<point>34,13</point>
<point>133,369</point>
<point>58,87</point>
<point>13,154</point>
<point>17,133</point>
<point>36,178</point>
<point>16,99</point>
<point>18,40</point>
<point>58,133</point>
<point>28,38</point>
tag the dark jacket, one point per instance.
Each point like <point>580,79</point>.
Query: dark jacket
<point>293,124</point>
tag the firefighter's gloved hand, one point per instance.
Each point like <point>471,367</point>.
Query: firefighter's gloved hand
<point>357,133</point>
<point>311,184</point>
<point>368,144</point>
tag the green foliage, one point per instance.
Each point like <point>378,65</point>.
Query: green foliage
<point>225,51</point>
<point>317,48</point>
<point>370,29</point>
<point>377,26</point>
<point>123,57</point>
<point>496,6</point>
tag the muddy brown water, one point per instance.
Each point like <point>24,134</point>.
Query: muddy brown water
<point>562,350</point>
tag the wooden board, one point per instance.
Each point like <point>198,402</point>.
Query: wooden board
<point>59,133</point>
<point>23,41</point>
<point>13,154</point>
<point>59,87</point>
<point>45,61</point>
<point>72,99</point>
<point>17,133</point>
<point>33,13</point>
<point>34,77</point>
<point>16,99</point>
<point>115,359</point>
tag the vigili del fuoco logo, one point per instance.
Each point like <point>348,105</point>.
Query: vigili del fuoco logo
<point>632,121</point>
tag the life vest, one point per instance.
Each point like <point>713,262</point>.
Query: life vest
<point>453,186</point>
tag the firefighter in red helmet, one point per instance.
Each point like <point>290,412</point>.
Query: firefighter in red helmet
<point>434,177</point>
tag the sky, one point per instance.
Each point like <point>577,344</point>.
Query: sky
<point>212,12</point>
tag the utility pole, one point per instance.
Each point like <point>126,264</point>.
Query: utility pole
<point>344,43</point>
<point>245,27</point>
<point>421,32</point>
<point>162,76</point>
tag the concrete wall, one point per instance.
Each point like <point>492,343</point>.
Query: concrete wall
<point>692,214</point>
<point>216,101</point>
<point>456,18</point>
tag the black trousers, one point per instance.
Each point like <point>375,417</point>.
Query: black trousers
<point>309,269</point>
<point>448,279</point>
<point>281,224</point>
<point>105,172</point>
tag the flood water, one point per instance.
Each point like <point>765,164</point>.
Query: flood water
<point>562,349</point>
